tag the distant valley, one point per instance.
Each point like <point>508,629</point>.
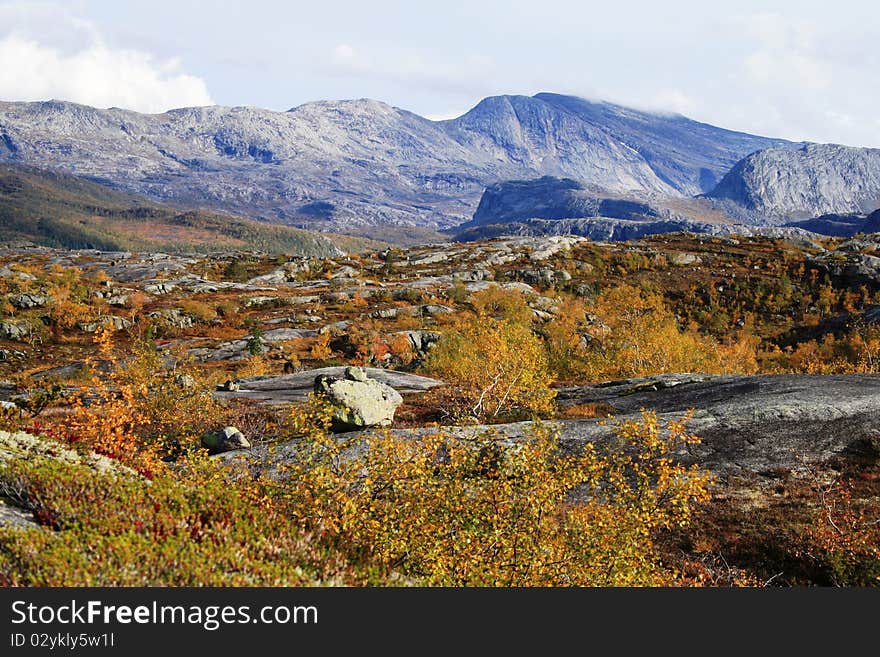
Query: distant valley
<point>63,211</point>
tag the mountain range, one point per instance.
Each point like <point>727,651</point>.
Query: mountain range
<point>365,167</point>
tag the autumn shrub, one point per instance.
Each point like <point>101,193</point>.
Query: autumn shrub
<point>458,293</point>
<point>69,303</point>
<point>320,349</point>
<point>856,352</point>
<point>499,303</point>
<point>229,312</point>
<point>255,365</point>
<point>629,332</point>
<point>435,509</point>
<point>844,540</point>
<point>565,340</point>
<point>453,510</point>
<point>198,310</point>
<point>138,410</point>
<point>493,366</point>
<point>401,348</point>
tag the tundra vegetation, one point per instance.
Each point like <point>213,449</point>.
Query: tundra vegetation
<point>121,356</point>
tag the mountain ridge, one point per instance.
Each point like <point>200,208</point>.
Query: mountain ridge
<point>355,164</point>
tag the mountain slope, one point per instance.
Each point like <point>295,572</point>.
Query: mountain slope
<point>61,210</point>
<point>688,155</point>
<point>353,164</point>
<point>814,180</point>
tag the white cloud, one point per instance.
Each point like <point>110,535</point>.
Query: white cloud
<point>446,116</point>
<point>343,52</point>
<point>673,101</point>
<point>786,53</point>
<point>79,66</point>
<point>463,74</point>
<point>800,79</point>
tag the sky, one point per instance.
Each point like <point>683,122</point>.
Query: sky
<point>802,70</point>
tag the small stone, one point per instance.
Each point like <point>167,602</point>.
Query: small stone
<point>225,440</point>
<point>185,381</point>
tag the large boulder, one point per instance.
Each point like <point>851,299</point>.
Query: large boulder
<point>359,402</point>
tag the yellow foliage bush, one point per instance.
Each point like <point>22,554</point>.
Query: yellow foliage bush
<point>498,303</point>
<point>198,310</point>
<point>68,300</point>
<point>454,511</point>
<point>494,366</point>
<point>320,349</point>
<point>628,332</point>
<point>252,366</point>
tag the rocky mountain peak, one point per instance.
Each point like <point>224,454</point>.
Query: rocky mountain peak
<point>813,180</point>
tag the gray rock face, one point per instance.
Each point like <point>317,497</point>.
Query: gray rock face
<point>748,425</point>
<point>15,518</point>
<point>114,321</point>
<point>225,440</point>
<point>238,349</point>
<point>849,263</point>
<point>544,277</point>
<point>421,342</point>
<point>816,179</point>
<point>682,259</point>
<point>346,163</point>
<point>841,225</point>
<point>552,198</point>
<point>285,388</point>
<point>359,402</point>
<point>173,317</point>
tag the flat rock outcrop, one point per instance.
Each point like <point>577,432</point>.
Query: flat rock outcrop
<point>285,388</point>
<point>749,425</point>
